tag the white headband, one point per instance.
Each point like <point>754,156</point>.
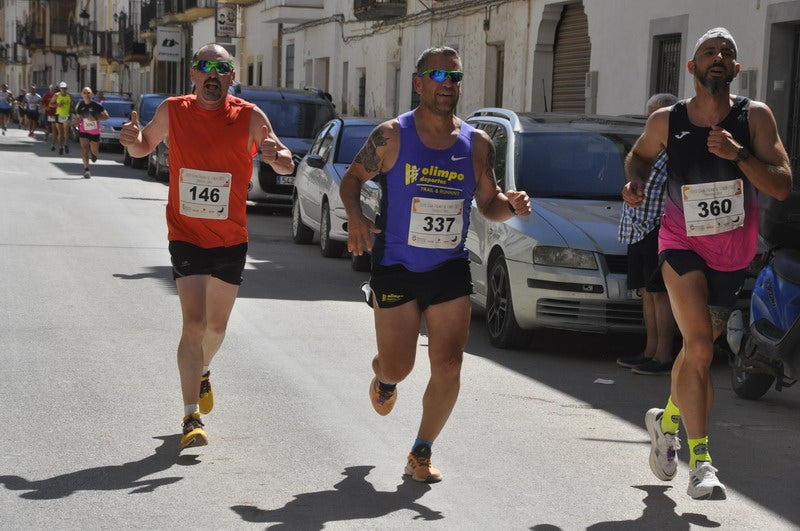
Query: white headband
<point>715,33</point>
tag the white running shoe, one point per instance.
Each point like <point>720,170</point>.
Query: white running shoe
<point>663,446</point>
<point>703,483</point>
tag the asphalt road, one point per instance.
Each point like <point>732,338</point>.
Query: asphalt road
<point>90,405</point>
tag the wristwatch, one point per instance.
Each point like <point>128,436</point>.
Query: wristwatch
<point>741,154</point>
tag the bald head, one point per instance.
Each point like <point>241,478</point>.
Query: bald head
<point>212,49</point>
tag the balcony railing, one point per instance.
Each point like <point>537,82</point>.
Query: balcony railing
<point>78,35</point>
<point>378,9</point>
<point>179,6</point>
<point>30,34</point>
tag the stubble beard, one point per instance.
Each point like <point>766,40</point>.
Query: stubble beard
<point>715,86</point>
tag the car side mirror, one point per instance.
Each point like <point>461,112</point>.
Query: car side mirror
<point>315,161</point>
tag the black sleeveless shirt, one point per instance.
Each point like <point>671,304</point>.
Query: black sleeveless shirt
<point>689,160</point>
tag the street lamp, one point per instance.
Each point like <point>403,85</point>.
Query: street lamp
<point>83,27</point>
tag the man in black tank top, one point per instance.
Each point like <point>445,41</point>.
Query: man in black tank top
<point>721,149</point>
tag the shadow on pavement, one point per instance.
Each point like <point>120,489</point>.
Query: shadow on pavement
<point>110,477</point>
<point>755,444</point>
<point>659,513</point>
<point>353,498</point>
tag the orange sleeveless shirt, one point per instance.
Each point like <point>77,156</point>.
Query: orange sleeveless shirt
<point>210,141</point>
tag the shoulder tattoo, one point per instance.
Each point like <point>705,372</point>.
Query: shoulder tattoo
<point>368,156</point>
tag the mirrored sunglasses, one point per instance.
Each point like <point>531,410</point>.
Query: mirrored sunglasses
<point>222,67</point>
<point>440,75</point>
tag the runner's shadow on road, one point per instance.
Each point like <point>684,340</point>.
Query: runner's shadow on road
<point>162,274</point>
<point>112,477</point>
<point>659,513</point>
<point>353,498</point>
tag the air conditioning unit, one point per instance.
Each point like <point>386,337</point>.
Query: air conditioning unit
<point>747,83</point>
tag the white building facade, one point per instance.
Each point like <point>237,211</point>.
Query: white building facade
<point>597,56</point>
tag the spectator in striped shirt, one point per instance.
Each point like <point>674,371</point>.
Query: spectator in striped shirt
<point>638,228</point>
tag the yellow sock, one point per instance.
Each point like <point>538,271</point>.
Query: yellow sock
<point>671,418</point>
<point>698,451</point>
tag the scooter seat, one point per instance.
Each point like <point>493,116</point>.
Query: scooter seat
<point>787,265</point>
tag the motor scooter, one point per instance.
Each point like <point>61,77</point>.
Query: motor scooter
<point>767,351</point>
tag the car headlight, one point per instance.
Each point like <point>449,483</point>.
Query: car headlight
<point>107,128</point>
<point>564,257</point>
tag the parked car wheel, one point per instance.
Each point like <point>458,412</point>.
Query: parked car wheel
<point>504,332</point>
<point>138,162</point>
<point>749,385</point>
<point>300,233</point>
<point>330,248</point>
<point>126,157</point>
<point>361,263</point>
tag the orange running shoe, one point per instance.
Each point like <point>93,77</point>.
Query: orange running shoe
<point>382,401</point>
<point>419,466</point>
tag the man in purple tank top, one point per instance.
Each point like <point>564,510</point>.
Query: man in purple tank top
<point>430,165</point>
<point>721,149</point>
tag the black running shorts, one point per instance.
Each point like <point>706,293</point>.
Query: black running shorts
<point>723,286</point>
<point>224,263</point>
<point>395,285</point>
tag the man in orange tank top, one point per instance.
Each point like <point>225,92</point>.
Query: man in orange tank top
<point>212,137</point>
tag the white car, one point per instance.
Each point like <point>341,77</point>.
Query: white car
<point>563,266</point>
<point>316,206</point>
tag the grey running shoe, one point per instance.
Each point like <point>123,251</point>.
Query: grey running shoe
<point>87,175</point>
<point>663,446</point>
<point>703,483</point>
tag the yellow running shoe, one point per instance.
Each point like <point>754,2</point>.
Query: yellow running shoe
<point>206,401</point>
<point>419,466</point>
<point>193,432</point>
<point>382,401</point>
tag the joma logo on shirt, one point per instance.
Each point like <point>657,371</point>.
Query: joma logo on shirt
<point>431,174</point>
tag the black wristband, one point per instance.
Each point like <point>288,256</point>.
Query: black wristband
<point>511,208</point>
<point>741,154</point>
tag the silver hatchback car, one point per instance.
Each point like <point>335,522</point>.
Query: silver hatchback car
<point>562,267</point>
<point>316,205</point>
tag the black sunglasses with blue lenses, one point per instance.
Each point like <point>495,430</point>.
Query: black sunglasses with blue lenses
<point>222,67</point>
<point>440,75</point>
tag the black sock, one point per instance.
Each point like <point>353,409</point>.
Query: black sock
<point>386,388</point>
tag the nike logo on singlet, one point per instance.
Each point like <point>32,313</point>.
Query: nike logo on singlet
<point>456,159</point>
<point>682,134</point>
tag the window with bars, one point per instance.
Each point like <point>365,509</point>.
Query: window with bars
<point>668,63</point>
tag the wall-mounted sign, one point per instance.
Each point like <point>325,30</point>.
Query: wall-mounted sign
<point>226,20</point>
<point>169,43</point>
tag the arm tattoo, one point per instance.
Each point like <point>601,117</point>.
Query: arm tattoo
<point>368,156</point>
<point>490,160</point>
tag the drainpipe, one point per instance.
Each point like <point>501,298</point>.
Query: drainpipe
<point>279,78</point>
